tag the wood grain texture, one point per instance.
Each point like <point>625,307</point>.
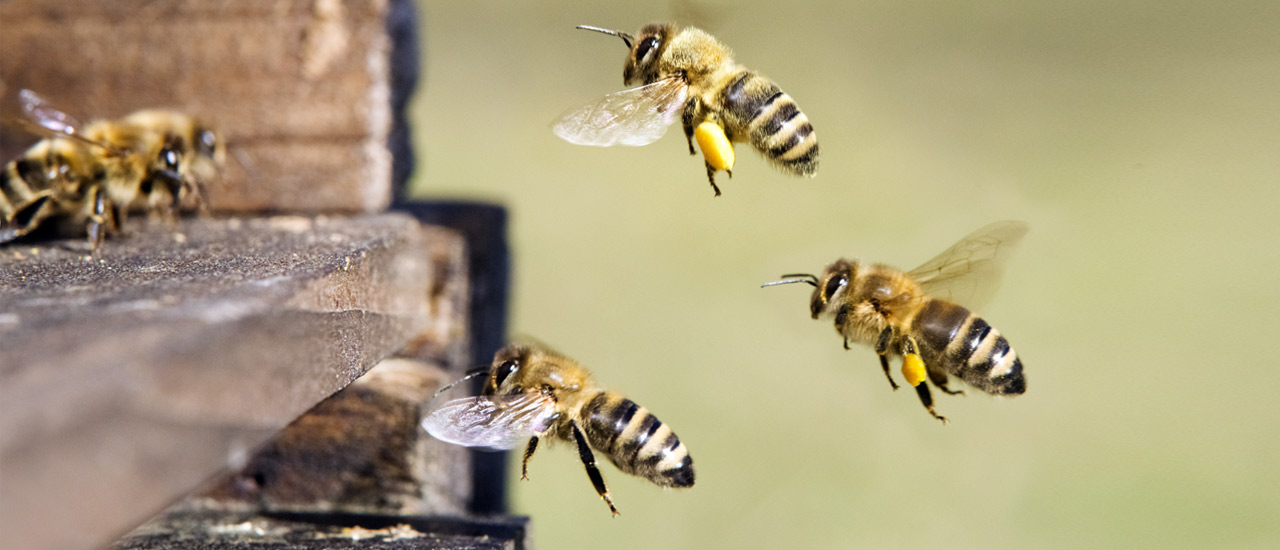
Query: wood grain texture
<point>300,89</point>
<point>129,377</point>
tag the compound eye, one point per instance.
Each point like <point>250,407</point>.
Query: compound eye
<point>206,143</point>
<point>833,285</point>
<point>646,48</point>
<point>507,368</point>
<point>170,158</point>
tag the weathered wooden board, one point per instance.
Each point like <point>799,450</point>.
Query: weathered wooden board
<point>129,376</point>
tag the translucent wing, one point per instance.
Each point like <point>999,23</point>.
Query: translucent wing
<point>40,112</point>
<point>638,116</point>
<point>44,119</point>
<point>969,272</point>
<point>489,422</point>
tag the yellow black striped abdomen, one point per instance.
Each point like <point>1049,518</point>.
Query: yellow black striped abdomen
<point>755,107</point>
<point>20,182</point>
<point>964,345</point>
<point>636,441</point>
<point>25,197</point>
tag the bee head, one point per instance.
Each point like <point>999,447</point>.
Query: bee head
<point>507,362</point>
<point>208,153</point>
<point>642,62</point>
<point>834,279</point>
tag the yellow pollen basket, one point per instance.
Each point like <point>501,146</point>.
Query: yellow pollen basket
<point>715,145</point>
<point>913,369</point>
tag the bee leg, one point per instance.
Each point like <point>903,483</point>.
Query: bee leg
<point>174,184</point>
<point>922,388</point>
<point>711,176</point>
<point>198,190</point>
<point>528,453</point>
<point>589,460</point>
<point>101,219</point>
<point>939,379</point>
<point>926,399</point>
<point>882,349</point>
<point>691,108</point>
<point>121,216</point>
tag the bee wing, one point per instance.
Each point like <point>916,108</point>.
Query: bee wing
<point>493,423</point>
<point>969,272</point>
<point>638,116</point>
<point>39,111</point>
<point>44,119</point>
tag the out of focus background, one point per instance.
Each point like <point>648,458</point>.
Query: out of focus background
<point>1140,141</point>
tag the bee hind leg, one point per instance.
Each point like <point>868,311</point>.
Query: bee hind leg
<point>926,399</point>
<point>939,379</point>
<point>528,453</point>
<point>589,460</point>
<point>711,177</point>
<point>912,366</point>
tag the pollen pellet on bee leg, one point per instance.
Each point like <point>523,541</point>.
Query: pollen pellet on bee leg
<point>715,146</point>
<point>913,369</point>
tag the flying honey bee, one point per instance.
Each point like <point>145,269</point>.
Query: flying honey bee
<point>914,314</point>
<point>719,102</point>
<point>93,175</point>
<point>534,393</point>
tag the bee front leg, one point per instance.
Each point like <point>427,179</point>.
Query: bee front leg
<point>196,190</point>
<point>528,453</point>
<point>882,350</point>
<point>589,460</point>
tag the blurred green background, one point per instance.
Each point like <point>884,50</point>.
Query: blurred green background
<point>1140,140</point>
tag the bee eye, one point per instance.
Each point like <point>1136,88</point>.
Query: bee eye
<point>646,47</point>
<point>504,370</point>
<point>206,143</point>
<point>833,285</point>
<point>170,158</point>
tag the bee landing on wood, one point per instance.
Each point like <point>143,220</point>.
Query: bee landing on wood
<point>689,72</point>
<point>89,177</point>
<point>915,314</point>
<point>532,393</point>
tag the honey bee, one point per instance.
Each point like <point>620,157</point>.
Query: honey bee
<point>914,314</point>
<point>534,393</point>
<point>93,175</point>
<point>719,101</point>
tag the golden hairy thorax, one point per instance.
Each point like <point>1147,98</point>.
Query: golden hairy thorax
<point>705,60</point>
<point>880,295</point>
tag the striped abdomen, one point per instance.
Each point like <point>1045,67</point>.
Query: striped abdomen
<point>21,181</point>
<point>757,110</point>
<point>26,198</point>
<point>636,441</point>
<point>965,346</point>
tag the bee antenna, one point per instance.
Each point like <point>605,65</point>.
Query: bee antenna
<point>626,38</point>
<point>470,374</point>
<point>789,278</point>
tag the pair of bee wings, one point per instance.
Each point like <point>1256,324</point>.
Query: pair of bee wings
<point>492,422</point>
<point>638,116</point>
<point>970,271</point>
